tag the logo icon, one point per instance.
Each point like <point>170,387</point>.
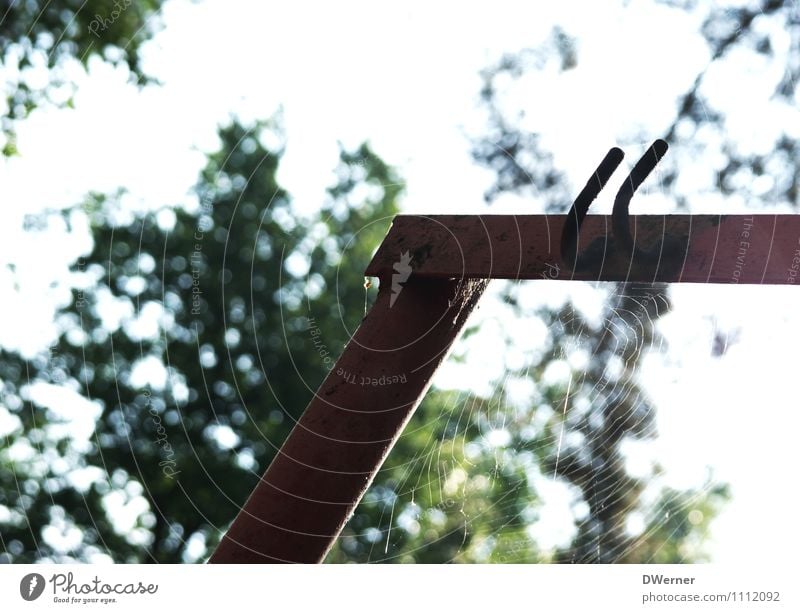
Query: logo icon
<point>400,276</point>
<point>31,586</point>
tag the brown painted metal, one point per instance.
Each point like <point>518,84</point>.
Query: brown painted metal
<point>333,453</point>
<point>718,249</point>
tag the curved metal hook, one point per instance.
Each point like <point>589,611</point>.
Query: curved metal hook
<point>619,216</point>
<point>576,215</point>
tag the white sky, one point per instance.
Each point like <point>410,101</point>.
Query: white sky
<point>406,79</point>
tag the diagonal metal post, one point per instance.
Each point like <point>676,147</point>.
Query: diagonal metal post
<point>333,453</point>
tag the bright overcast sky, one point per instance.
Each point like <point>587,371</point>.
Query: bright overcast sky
<point>406,79</point>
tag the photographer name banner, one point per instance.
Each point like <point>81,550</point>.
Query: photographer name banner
<point>401,588</point>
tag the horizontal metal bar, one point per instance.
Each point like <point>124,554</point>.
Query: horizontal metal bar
<point>755,249</point>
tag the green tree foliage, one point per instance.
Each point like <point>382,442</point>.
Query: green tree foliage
<point>188,342</point>
<point>765,33</point>
<point>231,288</point>
<point>447,493</point>
<point>465,482</point>
<point>44,36</point>
<point>607,408</point>
<point>216,303</point>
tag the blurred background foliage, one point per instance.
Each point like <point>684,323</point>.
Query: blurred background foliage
<point>54,35</point>
<point>187,347</point>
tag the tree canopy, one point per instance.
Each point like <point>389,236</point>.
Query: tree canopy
<point>195,336</point>
<point>38,41</point>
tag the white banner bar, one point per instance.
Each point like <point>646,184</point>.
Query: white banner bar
<point>397,588</point>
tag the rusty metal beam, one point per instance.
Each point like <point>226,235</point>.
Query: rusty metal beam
<point>718,248</point>
<point>333,453</point>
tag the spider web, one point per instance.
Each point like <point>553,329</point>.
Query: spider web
<point>558,459</point>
